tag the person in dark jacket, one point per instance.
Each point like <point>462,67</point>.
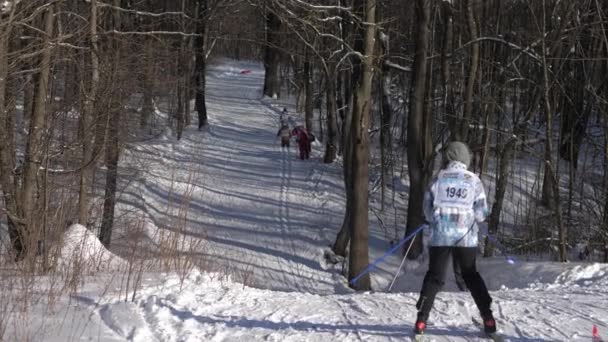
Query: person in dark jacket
<point>453,205</point>
<point>285,135</point>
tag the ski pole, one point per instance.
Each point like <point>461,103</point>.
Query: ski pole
<point>500,246</point>
<point>402,262</point>
<point>391,251</point>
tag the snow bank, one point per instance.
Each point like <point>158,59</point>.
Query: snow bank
<point>583,275</point>
<point>82,247</point>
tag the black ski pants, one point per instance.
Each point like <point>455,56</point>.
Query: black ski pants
<point>434,279</point>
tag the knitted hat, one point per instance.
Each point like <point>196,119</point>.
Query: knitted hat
<point>458,151</point>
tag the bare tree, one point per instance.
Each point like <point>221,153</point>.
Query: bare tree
<point>418,148</point>
<point>359,221</point>
<point>86,121</point>
<point>112,145</point>
<point>34,154</point>
<point>272,58</point>
<point>14,216</point>
<point>200,63</point>
<point>463,133</point>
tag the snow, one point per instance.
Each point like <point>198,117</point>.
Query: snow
<point>81,244</point>
<point>259,222</point>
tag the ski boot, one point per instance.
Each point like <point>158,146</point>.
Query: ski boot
<point>489,324</point>
<point>419,327</point>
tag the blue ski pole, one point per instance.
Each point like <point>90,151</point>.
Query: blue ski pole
<point>500,246</point>
<point>391,251</point>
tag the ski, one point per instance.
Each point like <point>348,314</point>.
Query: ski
<point>492,336</point>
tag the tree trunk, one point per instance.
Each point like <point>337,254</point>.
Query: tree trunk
<point>200,63</point>
<point>467,114</point>
<point>385,119</point>
<point>86,122</point>
<point>34,150</point>
<point>187,65</point>
<point>28,98</point>
<point>604,111</point>
<point>506,159</point>
<point>551,183</point>
<point>112,148</point>
<point>7,162</point>
<point>147,108</point>
<point>604,107</point>
<point>181,90</point>
<point>575,115</point>
<point>358,257</point>
<point>301,97</point>
<point>308,102</point>
<point>272,59</point>
<point>447,87</point>
<point>416,156</point>
<point>187,91</point>
<point>343,238</point>
<point>347,109</point>
<point>332,123</point>
<point>340,110</point>
<point>180,105</point>
<point>343,87</point>
<point>112,155</point>
<point>485,141</point>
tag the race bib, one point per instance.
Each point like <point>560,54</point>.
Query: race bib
<point>454,191</point>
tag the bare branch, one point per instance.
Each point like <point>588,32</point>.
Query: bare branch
<point>319,7</point>
<point>151,33</point>
<point>397,66</point>
<point>143,13</point>
<point>68,45</point>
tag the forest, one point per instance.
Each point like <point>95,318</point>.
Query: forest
<point>139,147</point>
<point>384,84</point>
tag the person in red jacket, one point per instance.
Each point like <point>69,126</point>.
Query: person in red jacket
<point>303,140</point>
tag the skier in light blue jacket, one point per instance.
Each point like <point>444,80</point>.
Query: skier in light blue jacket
<point>453,205</point>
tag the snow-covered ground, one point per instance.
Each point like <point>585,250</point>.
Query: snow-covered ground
<point>258,222</point>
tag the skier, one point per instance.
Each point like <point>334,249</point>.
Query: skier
<point>285,135</point>
<point>303,141</point>
<point>283,117</point>
<point>454,204</point>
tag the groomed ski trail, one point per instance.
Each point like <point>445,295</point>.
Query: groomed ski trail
<point>261,211</point>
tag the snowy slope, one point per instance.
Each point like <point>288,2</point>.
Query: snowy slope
<point>212,310</point>
<point>265,219</point>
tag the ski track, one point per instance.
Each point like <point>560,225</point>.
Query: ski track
<point>262,213</point>
<point>244,212</point>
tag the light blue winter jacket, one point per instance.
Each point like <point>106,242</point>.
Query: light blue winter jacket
<point>453,205</point>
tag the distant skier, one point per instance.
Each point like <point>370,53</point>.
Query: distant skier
<point>284,116</point>
<point>285,135</point>
<point>303,140</point>
<point>454,204</point>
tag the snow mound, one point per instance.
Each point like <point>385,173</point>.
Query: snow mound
<point>584,275</point>
<point>81,246</point>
